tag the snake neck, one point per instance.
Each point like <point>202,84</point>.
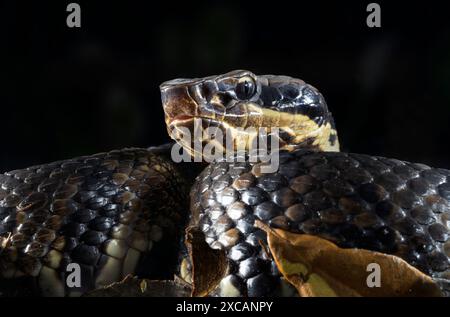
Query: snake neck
<point>188,170</point>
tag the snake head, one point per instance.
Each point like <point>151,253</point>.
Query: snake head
<point>239,102</point>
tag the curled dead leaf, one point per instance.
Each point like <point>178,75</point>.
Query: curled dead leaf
<point>209,265</point>
<point>317,267</point>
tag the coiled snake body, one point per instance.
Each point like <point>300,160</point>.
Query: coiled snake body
<point>124,211</point>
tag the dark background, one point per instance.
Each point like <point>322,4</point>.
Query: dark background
<point>67,92</point>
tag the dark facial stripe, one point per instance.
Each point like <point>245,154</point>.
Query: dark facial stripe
<point>295,98</point>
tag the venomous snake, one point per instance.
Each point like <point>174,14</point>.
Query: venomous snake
<point>124,212</point>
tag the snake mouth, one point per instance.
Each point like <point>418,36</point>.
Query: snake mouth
<point>181,120</point>
<point>194,133</point>
<point>182,117</point>
<point>194,127</point>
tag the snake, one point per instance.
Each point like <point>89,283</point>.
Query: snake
<point>125,211</point>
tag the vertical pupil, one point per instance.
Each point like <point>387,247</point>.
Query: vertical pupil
<point>247,88</point>
<point>244,90</point>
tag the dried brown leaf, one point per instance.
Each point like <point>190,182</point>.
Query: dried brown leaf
<point>209,266</point>
<point>317,267</point>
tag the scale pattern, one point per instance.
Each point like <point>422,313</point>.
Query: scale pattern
<point>103,212</point>
<point>354,200</point>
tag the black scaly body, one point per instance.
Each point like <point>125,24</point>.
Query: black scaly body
<point>124,211</point>
<point>112,213</point>
<point>354,200</point>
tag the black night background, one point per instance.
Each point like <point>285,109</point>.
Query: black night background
<point>69,92</point>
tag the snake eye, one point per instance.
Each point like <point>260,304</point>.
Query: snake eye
<point>245,88</point>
